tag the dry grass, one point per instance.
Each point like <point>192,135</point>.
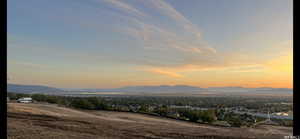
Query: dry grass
<point>42,121</point>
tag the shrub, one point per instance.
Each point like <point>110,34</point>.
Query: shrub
<point>82,103</point>
<point>98,103</point>
<point>39,97</point>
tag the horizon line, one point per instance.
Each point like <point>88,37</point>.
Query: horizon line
<point>153,86</point>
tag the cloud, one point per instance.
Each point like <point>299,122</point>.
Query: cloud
<point>163,40</point>
<point>170,12</point>
<point>125,7</point>
<point>170,44</point>
<point>164,72</point>
<point>247,68</point>
<point>178,37</point>
<point>158,34</point>
<point>178,72</point>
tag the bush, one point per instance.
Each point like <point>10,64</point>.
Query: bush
<point>161,110</point>
<point>63,101</point>
<point>39,97</point>
<point>208,116</point>
<point>82,103</point>
<point>98,104</point>
<point>12,96</point>
<point>45,98</point>
<point>22,95</point>
<point>144,108</point>
<point>52,99</point>
<point>195,115</point>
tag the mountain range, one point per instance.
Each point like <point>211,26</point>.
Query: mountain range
<point>143,89</point>
<point>16,88</point>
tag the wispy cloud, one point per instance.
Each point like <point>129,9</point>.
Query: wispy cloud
<point>173,48</point>
<point>164,72</point>
<point>155,35</point>
<point>247,68</point>
<point>167,42</point>
<point>170,12</point>
<point>125,7</point>
<point>178,72</point>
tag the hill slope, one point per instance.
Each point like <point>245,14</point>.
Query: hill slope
<point>50,121</point>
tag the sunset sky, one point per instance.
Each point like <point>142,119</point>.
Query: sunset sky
<point>114,43</point>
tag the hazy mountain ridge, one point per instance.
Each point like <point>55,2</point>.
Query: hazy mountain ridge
<point>146,89</point>
<point>242,89</point>
<point>32,89</point>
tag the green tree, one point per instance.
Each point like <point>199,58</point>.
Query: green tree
<point>82,104</point>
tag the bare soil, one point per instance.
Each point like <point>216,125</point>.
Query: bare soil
<point>45,121</point>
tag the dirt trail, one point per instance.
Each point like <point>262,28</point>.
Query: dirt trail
<point>36,121</point>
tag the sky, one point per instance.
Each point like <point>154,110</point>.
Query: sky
<point>115,43</point>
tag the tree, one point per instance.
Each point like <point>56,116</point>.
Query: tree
<point>98,104</point>
<point>143,108</point>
